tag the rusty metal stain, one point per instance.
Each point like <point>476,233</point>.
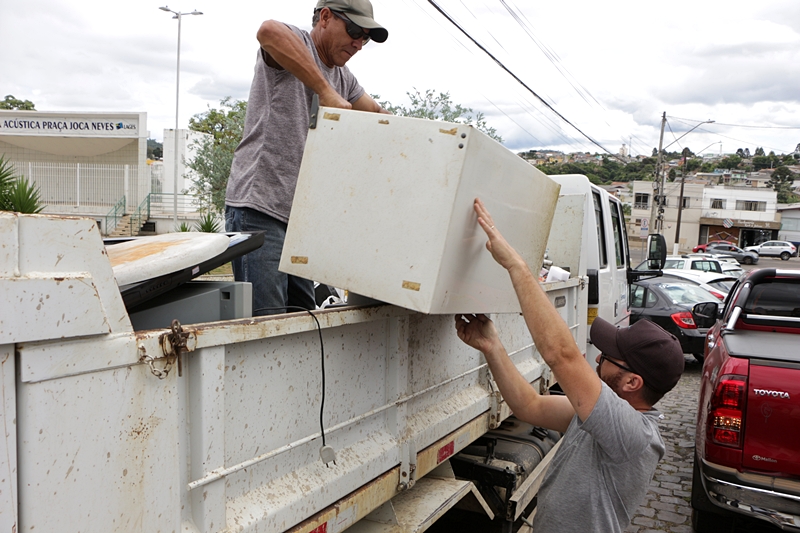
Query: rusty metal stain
<point>384,121</point>
<point>299,260</point>
<point>454,131</point>
<point>331,116</point>
<point>365,500</point>
<point>412,286</point>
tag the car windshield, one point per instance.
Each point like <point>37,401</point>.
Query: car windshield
<point>685,293</point>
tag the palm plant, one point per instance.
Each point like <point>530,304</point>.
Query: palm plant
<point>16,192</point>
<point>208,223</point>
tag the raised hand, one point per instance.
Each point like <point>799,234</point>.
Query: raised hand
<point>502,252</point>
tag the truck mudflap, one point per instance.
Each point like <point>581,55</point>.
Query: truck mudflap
<point>772,425</point>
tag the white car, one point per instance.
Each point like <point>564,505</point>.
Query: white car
<point>717,284</point>
<point>781,249</point>
<point>722,258</point>
<point>729,269</point>
<point>686,262</point>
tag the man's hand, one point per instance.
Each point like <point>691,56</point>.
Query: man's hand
<point>478,332</point>
<point>330,98</point>
<point>502,252</point>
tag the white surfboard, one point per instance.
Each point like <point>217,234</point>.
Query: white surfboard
<point>148,257</point>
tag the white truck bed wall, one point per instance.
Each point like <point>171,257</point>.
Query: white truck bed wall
<point>100,444</point>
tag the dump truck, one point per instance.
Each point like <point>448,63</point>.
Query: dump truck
<point>346,417</point>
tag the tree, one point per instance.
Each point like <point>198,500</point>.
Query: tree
<point>740,152</point>
<point>440,107</point>
<point>155,149</point>
<point>9,102</point>
<point>759,151</point>
<point>781,182</point>
<point>214,155</point>
<point>747,153</point>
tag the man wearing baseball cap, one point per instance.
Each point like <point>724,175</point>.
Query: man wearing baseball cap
<point>611,443</point>
<point>291,66</point>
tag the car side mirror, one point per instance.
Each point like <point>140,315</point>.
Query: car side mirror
<point>656,252</point>
<point>706,314</point>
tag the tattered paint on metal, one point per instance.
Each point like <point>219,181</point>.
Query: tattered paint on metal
<point>8,441</point>
<point>95,422</point>
<point>67,303</point>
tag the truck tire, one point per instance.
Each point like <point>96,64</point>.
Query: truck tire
<point>698,357</point>
<point>785,256</point>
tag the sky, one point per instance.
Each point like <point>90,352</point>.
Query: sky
<point>609,68</point>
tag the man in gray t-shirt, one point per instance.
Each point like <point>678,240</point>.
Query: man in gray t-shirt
<point>291,66</point>
<point>611,444</point>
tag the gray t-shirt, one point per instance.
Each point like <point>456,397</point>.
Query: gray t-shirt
<point>267,161</point>
<point>601,473</point>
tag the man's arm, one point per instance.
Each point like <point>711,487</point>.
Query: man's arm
<point>368,103</point>
<point>553,412</point>
<point>286,50</point>
<point>551,335</point>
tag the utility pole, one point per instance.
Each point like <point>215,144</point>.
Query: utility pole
<point>656,210</point>
<point>680,202</point>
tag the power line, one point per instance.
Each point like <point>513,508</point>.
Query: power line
<point>501,65</point>
<point>751,126</point>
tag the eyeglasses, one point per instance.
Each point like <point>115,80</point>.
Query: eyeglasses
<point>604,358</point>
<point>353,30</point>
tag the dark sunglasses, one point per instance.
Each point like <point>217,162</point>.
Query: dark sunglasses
<point>604,358</point>
<point>353,30</point>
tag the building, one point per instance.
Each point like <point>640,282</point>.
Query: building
<point>739,213</point>
<point>95,165</point>
<point>790,223</point>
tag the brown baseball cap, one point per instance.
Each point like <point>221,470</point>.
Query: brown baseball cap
<point>648,350</point>
<point>360,12</point>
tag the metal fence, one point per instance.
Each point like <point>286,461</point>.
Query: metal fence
<point>89,188</point>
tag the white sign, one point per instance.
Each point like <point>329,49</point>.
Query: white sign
<point>76,126</point>
<point>645,227</point>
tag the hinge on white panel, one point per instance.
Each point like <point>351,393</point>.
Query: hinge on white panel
<point>408,466</point>
<point>494,410</point>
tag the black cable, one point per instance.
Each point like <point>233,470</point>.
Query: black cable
<point>322,352</point>
<point>501,65</point>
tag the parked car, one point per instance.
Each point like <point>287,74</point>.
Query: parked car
<point>747,461</point>
<point>702,247</point>
<point>743,256</point>
<point>781,249</point>
<point>717,284</point>
<point>669,303</point>
<point>686,262</point>
<point>722,258</point>
<point>730,269</point>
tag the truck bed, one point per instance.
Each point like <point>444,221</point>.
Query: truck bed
<point>763,345</point>
<point>101,443</point>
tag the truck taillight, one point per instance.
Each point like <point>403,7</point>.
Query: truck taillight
<point>726,416</point>
<point>684,319</point>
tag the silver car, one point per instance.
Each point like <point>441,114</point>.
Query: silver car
<point>781,249</point>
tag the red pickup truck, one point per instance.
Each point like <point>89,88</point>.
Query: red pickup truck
<point>747,445</point>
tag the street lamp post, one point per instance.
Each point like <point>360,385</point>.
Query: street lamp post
<point>177,15</point>
<point>658,209</point>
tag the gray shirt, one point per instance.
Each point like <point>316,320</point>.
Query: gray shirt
<point>267,161</point>
<point>601,472</point>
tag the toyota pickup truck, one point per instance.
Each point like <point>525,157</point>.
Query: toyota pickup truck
<point>747,458</point>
